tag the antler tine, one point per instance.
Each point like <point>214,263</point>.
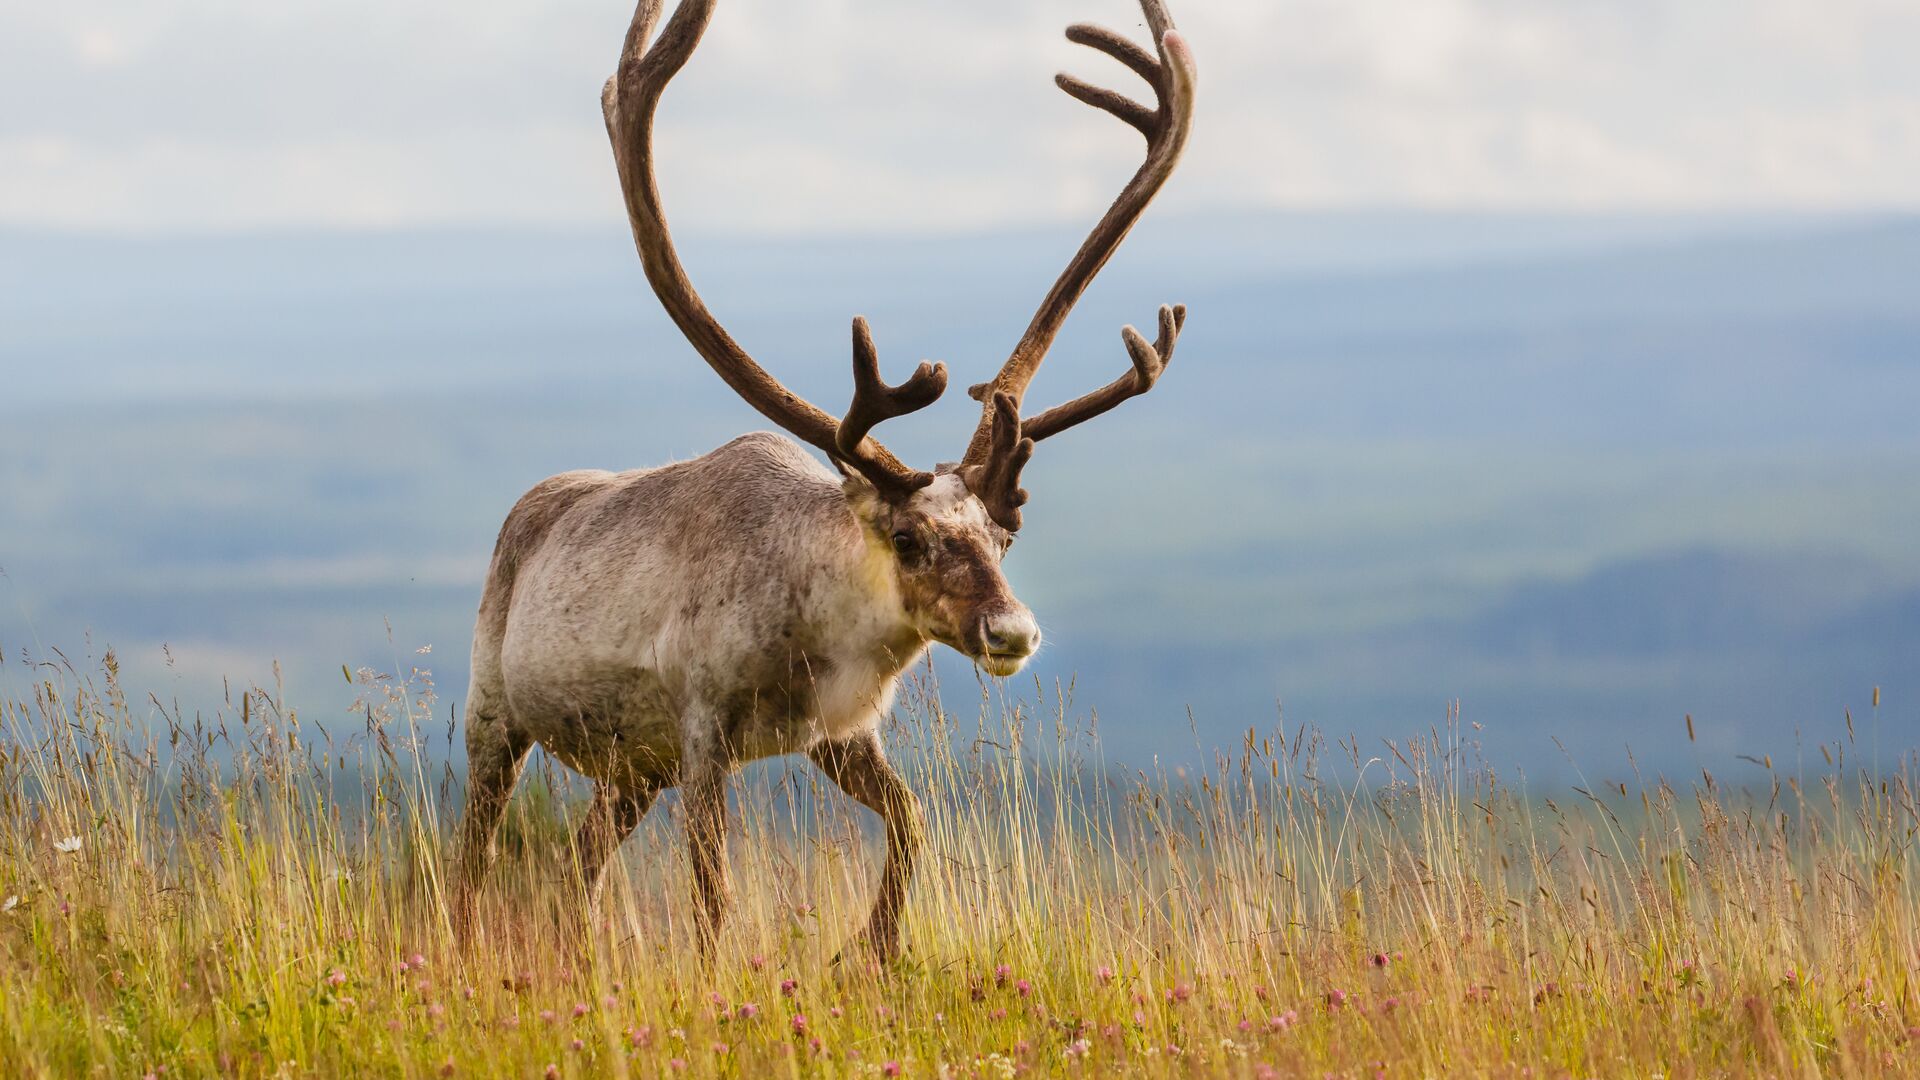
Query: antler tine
<point>874,401</point>
<point>1171,73</point>
<point>995,480</point>
<point>1149,363</point>
<point>629,102</point>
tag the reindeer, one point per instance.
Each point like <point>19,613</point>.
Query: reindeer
<point>658,627</point>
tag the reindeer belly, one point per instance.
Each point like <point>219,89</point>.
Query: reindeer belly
<point>613,725</point>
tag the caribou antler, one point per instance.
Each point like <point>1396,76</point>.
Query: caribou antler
<point>1171,74</point>
<point>1149,361</point>
<point>629,102</point>
<point>874,401</point>
<point>995,479</point>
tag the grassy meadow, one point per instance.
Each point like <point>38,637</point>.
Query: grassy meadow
<point>259,892</point>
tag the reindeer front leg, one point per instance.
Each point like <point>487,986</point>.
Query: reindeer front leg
<point>861,769</point>
<point>705,765</point>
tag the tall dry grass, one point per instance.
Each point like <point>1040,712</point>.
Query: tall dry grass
<point>260,893</point>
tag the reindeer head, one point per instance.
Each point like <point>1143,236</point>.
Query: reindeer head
<point>947,530</point>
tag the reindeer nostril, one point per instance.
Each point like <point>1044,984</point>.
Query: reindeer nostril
<point>1012,637</point>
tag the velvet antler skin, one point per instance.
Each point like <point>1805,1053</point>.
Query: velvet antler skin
<point>1171,74</point>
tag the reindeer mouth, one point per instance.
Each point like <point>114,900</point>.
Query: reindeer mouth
<point>1003,642</point>
<point>1001,665</point>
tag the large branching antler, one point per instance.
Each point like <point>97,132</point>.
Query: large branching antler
<point>629,102</point>
<point>1171,73</point>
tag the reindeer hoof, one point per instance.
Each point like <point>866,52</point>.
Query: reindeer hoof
<point>867,954</point>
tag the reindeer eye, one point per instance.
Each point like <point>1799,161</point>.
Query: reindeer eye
<point>905,543</point>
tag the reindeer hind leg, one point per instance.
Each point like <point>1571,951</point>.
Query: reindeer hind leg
<point>495,754</point>
<point>616,812</point>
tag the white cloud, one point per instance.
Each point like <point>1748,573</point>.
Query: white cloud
<point>826,114</point>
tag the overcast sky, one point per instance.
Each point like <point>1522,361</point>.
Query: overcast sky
<point>807,115</point>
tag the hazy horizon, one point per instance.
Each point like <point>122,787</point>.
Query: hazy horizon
<point>1584,473</point>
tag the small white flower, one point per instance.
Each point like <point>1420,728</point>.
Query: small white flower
<point>67,846</point>
<point>424,649</point>
<point>11,903</point>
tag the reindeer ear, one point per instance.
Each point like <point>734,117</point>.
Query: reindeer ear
<point>861,493</point>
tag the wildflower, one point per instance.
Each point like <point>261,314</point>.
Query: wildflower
<point>336,977</point>
<point>1105,975</point>
<point>757,961</point>
<point>67,845</point>
<point>1139,1018</point>
<point>578,1046</point>
<point>10,903</point>
<point>814,1044</point>
<point>553,1071</point>
<point>546,1015</point>
<point>720,1048</point>
<point>1024,987</point>
<point>677,1064</point>
<point>891,1068</point>
<point>799,1023</point>
<point>787,987</point>
<point>446,1067</point>
<point>1336,999</point>
<point>834,1012</point>
<point>419,962</point>
<point>467,993</point>
<point>1078,1048</point>
<point>1391,1003</point>
<point>641,1037</point>
<point>1381,960</point>
<point>436,1010</point>
<point>1180,993</point>
<point>1022,1047</point>
<point>1260,993</point>
<point>580,1009</point>
<point>748,1010</point>
<point>1001,973</point>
